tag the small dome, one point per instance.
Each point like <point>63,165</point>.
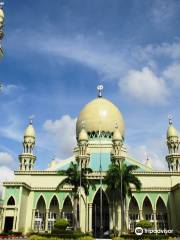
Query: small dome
<point>100,114</point>
<point>30,132</point>
<point>117,135</point>
<point>172,132</point>
<point>83,135</point>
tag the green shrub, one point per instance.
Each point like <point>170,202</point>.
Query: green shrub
<point>36,237</point>
<point>86,238</point>
<point>117,238</point>
<point>145,224</point>
<point>61,224</point>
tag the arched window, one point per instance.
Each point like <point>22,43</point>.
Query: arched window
<point>40,214</point>
<point>147,210</point>
<point>67,211</point>
<point>133,213</point>
<point>161,214</point>
<point>53,213</point>
<point>11,201</point>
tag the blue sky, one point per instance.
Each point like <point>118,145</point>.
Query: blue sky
<point>57,52</point>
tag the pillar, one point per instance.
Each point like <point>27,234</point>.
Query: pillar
<point>15,220</point>
<point>90,205</point>
<point>127,218</point>
<point>111,216</point>
<point>155,221</point>
<point>33,218</point>
<point>140,214</point>
<point>46,219</point>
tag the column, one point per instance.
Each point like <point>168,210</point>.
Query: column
<point>33,218</point>
<point>90,205</point>
<point>140,214</point>
<point>155,221</point>
<point>127,218</point>
<point>60,212</point>
<point>15,219</point>
<point>111,216</point>
<point>46,219</point>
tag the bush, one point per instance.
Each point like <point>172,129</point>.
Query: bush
<point>36,237</point>
<point>61,224</point>
<point>86,238</point>
<point>117,238</point>
<point>145,224</point>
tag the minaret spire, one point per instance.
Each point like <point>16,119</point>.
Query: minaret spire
<point>27,158</point>
<point>173,142</point>
<point>100,90</point>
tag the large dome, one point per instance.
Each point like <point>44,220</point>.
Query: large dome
<point>98,114</point>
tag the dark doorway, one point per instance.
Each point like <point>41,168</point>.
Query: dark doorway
<point>8,224</point>
<point>96,221</point>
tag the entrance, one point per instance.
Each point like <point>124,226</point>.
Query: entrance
<point>8,226</point>
<point>96,221</point>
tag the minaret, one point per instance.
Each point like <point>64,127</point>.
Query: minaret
<point>83,156</point>
<point>117,140</point>
<point>173,142</point>
<point>1,27</point>
<point>27,158</point>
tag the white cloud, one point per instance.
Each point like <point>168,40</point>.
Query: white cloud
<point>59,135</point>
<point>6,174</point>
<point>5,158</point>
<point>145,86</point>
<point>173,73</point>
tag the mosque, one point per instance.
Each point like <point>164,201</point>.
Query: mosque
<point>34,200</point>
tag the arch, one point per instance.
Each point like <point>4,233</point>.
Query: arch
<point>54,196</point>
<point>133,213</point>
<point>161,214</point>
<point>147,209</point>
<point>40,214</point>
<point>104,191</point>
<point>43,199</point>
<point>54,213</point>
<point>67,210</point>
<point>96,216</point>
<point>11,201</point>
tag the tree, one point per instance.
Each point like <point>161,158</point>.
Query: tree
<point>77,178</point>
<point>118,180</point>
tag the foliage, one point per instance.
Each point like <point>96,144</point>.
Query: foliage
<point>144,224</point>
<point>114,233</point>
<point>115,173</point>
<point>61,224</point>
<point>118,179</point>
<point>77,178</point>
<point>86,238</point>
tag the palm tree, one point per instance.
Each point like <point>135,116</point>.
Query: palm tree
<point>118,180</point>
<point>77,178</point>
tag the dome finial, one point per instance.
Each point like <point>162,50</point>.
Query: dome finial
<point>100,90</point>
<point>31,119</point>
<point>170,117</point>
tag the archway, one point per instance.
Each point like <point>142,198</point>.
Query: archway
<point>98,212</point>
<point>11,201</point>
<point>147,210</point>
<point>133,214</point>
<point>67,211</point>
<point>161,214</point>
<point>53,212</point>
<point>40,215</point>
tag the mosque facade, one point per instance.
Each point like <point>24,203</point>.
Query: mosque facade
<point>35,198</point>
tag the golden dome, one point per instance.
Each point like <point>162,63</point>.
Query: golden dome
<point>100,114</point>
<point>30,132</point>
